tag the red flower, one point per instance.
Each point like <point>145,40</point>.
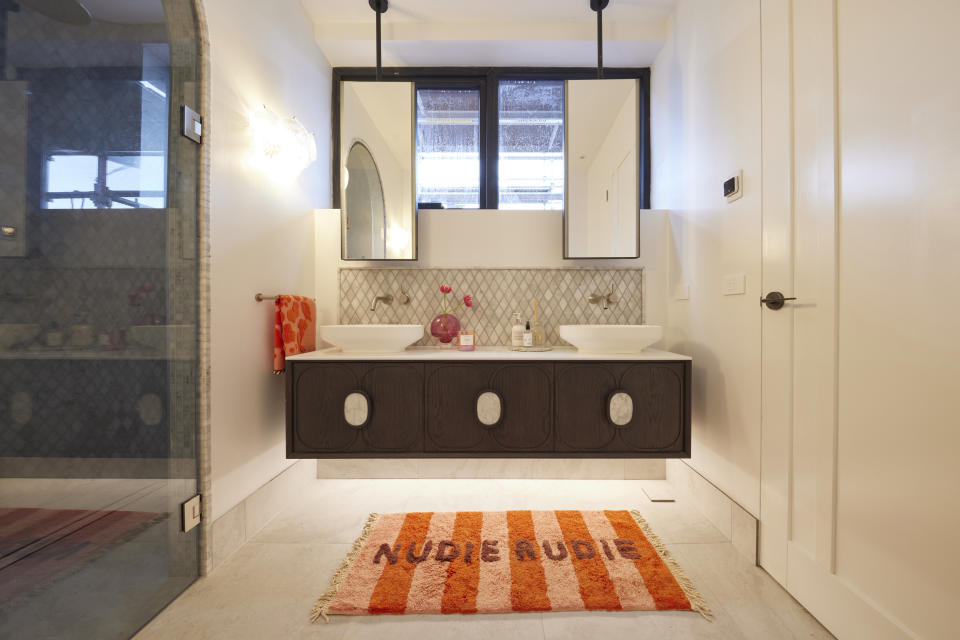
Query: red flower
<point>134,299</point>
<point>468,300</point>
<point>147,287</point>
<point>445,288</point>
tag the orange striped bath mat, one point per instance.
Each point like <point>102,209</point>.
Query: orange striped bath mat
<point>501,561</point>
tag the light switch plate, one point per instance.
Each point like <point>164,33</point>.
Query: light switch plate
<point>734,284</point>
<point>192,511</point>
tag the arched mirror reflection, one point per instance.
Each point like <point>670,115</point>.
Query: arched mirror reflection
<point>364,209</point>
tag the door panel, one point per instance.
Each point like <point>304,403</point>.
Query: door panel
<point>100,385</point>
<point>582,392</point>
<point>396,398</point>
<point>526,393</point>
<point>657,389</point>
<point>657,393</point>
<point>320,392</point>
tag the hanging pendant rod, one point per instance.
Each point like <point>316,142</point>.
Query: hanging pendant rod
<point>599,6</point>
<point>379,6</point>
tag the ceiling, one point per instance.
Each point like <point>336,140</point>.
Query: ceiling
<point>491,32</point>
<point>485,10</point>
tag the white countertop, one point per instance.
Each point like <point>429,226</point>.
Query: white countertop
<point>486,353</point>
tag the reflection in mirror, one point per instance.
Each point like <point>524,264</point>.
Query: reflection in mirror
<point>601,217</point>
<point>364,210</point>
<point>376,171</point>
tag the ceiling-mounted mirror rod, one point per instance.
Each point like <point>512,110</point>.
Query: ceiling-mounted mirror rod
<point>598,6</point>
<point>379,6</point>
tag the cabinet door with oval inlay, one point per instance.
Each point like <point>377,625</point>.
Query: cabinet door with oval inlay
<point>658,407</point>
<point>638,408</point>
<point>583,397</point>
<point>319,423</point>
<point>527,393</point>
<point>395,393</point>
<point>489,407</point>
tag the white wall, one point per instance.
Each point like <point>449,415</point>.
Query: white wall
<point>494,239</point>
<point>705,122</point>
<point>262,237</point>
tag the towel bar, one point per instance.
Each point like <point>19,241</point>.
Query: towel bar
<point>260,297</point>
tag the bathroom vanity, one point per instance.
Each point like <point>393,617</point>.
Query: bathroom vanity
<point>492,402</point>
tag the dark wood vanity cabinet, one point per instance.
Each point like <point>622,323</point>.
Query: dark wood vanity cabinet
<point>315,408</point>
<point>660,408</point>
<point>542,409</point>
<point>526,407</point>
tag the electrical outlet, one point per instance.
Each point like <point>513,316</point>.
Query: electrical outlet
<point>734,284</point>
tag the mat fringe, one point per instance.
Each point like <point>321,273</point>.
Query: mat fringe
<point>322,607</point>
<point>697,603</point>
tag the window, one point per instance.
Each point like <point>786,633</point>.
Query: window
<point>105,181</point>
<point>492,138</point>
<point>448,148</point>
<point>530,132</point>
<point>110,151</point>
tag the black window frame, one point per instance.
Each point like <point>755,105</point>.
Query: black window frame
<point>487,79</point>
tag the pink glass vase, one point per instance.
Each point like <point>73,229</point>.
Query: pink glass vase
<point>444,327</point>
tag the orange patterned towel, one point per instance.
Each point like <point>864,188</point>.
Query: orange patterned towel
<point>294,329</point>
<point>502,561</point>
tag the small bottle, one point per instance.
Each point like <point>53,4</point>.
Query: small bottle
<point>516,333</point>
<point>527,336</point>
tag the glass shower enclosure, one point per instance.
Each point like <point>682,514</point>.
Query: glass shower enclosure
<point>98,313</point>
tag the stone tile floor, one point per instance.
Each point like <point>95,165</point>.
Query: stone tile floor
<point>267,589</point>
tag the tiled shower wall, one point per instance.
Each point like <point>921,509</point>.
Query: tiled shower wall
<point>497,293</point>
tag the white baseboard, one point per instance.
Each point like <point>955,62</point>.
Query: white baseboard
<point>234,528</point>
<point>733,521</point>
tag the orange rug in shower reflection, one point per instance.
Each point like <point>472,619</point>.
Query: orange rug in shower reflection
<point>40,545</point>
<point>503,561</point>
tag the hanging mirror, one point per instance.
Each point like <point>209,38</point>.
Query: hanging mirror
<point>602,204</point>
<point>377,171</point>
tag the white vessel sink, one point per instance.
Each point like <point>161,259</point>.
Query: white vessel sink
<point>371,338</point>
<point>611,338</point>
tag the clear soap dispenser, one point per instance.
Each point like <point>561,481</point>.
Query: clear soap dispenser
<point>516,333</point>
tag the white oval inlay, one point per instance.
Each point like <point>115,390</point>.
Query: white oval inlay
<point>621,409</point>
<point>356,409</point>
<point>21,407</point>
<point>150,409</point>
<point>489,408</point>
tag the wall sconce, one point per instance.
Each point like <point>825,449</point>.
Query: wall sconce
<point>282,147</point>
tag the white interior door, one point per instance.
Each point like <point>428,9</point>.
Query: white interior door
<point>858,515</point>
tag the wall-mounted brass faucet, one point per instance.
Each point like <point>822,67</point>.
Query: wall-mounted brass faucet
<point>605,300</point>
<point>387,299</point>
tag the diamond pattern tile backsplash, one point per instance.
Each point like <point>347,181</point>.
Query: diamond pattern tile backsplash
<point>497,293</point>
